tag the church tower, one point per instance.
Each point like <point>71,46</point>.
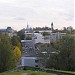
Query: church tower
<point>52,26</point>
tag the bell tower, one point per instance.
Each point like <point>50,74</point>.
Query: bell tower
<point>52,26</point>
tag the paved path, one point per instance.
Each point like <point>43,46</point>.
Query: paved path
<point>24,74</point>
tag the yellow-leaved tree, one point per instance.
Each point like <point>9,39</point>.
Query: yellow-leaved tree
<point>17,53</point>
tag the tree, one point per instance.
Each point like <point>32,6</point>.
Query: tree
<point>43,53</point>
<point>29,38</point>
<point>67,53</point>
<point>21,34</point>
<point>46,33</point>
<point>17,53</point>
<point>57,44</point>
<point>65,59</point>
<point>7,61</point>
<point>16,42</point>
<point>52,62</point>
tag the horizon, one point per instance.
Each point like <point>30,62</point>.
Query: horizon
<point>35,27</point>
<point>37,13</point>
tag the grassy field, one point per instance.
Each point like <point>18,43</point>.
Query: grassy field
<point>12,73</point>
<point>28,71</point>
<point>39,73</point>
<point>70,72</point>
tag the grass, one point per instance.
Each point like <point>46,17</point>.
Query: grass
<point>11,73</point>
<point>38,73</point>
<point>28,71</point>
<point>70,72</point>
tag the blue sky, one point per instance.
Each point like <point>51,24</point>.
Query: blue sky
<point>16,13</point>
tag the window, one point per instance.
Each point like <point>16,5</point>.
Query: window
<point>36,61</point>
<point>36,65</point>
<point>35,37</point>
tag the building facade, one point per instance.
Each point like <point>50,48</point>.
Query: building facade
<point>9,31</point>
<point>29,57</point>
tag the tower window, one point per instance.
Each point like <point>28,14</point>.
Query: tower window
<point>36,61</point>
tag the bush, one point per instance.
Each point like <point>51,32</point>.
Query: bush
<point>46,33</point>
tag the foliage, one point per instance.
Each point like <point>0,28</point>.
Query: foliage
<point>29,38</point>
<point>16,42</point>
<point>6,54</point>
<point>57,44</point>
<point>41,28</point>
<point>21,34</point>
<point>67,53</point>
<point>46,33</point>
<point>17,53</point>
<point>65,59</point>
<point>43,53</point>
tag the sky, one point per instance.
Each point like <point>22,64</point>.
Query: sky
<point>36,13</point>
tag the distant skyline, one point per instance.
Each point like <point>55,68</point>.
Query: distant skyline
<point>37,13</point>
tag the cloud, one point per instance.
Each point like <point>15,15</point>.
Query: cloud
<point>39,10</point>
<point>19,18</point>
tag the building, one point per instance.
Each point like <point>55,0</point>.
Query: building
<point>29,61</point>
<point>56,36</point>
<point>9,31</point>
<point>32,39</point>
<point>69,29</point>
<point>28,55</point>
<point>28,48</point>
<point>39,38</point>
<point>52,26</point>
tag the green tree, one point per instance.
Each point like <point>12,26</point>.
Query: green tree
<point>52,62</point>
<point>16,42</point>
<point>67,53</point>
<point>46,33</point>
<point>21,34</point>
<point>29,38</point>
<point>65,58</point>
<point>43,52</point>
<point>7,61</point>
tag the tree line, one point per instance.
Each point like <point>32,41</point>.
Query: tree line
<point>10,52</point>
<point>65,58</point>
<point>59,55</point>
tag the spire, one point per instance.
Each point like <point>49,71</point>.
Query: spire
<point>27,28</point>
<point>52,23</point>
<point>52,26</point>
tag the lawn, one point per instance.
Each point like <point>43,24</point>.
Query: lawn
<point>28,71</point>
<point>11,73</point>
<point>38,73</point>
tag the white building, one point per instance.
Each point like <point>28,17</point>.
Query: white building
<point>53,37</point>
<point>31,39</point>
<point>39,38</point>
<point>56,36</point>
<point>29,61</point>
<point>70,29</point>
